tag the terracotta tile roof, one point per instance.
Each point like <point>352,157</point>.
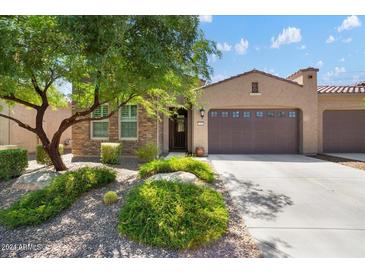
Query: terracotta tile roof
<point>253,71</point>
<point>341,89</point>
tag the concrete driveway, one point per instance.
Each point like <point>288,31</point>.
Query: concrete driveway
<point>297,206</point>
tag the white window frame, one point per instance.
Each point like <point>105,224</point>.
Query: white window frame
<point>120,125</point>
<point>92,128</point>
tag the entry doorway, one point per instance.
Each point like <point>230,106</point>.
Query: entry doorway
<point>178,127</point>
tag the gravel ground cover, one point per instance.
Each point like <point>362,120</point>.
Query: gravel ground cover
<point>341,161</point>
<point>89,228</point>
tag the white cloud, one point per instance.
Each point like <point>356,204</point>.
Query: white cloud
<point>206,18</point>
<point>339,70</point>
<point>342,59</point>
<point>218,77</point>
<point>349,23</point>
<point>302,47</point>
<point>224,46</point>
<point>330,39</point>
<point>271,71</point>
<point>320,63</point>
<point>212,58</point>
<point>336,71</point>
<point>347,40</point>
<point>287,36</point>
<point>257,48</point>
<point>241,47</point>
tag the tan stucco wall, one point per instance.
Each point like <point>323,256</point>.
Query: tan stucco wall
<point>336,102</point>
<point>4,125</point>
<point>275,93</point>
<point>25,139</point>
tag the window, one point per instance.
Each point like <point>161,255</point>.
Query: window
<point>259,114</point>
<point>255,87</point>
<point>180,120</point>
<point>213,114</point>
<point>99,128</point>
<point>270,114</point>
<point>246,114</point>
<point>281,114</point>
<point>292,114</point>
<point>224,114</point>
<point>128,122</point>
<point>235,114</point>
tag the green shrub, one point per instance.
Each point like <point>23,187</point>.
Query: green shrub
<point>38,206</point>
<point>173,215</point>
<point>200,169</point>
<point>110,153</point>
<point>13,163</point>
<point>147,152</point>
<point>43,158</point>
<point>110,197</point>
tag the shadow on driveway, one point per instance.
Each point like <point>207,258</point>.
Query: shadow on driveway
<point>254,201</point>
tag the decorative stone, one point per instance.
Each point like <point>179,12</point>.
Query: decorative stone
<point>35,180</point>
<point>182,176</point>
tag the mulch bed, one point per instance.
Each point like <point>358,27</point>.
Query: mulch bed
<point>342,161</point>
<point>89,228</point>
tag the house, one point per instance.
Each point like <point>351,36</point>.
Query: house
<point>253,112</point>
<point>12,134</point>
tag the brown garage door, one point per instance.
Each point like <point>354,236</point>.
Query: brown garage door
<point>344,131</point>
<point>253,131</point>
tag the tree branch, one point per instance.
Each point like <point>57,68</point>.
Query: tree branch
<point>36,86</point>
<point>65,124</point>
<point>20,123</point>
<point>110,113</point>
<point>20,101</point>
<point>51,80</point>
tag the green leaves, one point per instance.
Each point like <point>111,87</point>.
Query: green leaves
<point>38,206</point>
<point>202,170</point>
<point>173,215</point>
<point>154,59</point>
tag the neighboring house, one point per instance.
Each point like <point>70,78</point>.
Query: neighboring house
<point>12,134</point>
<point>253,112</point>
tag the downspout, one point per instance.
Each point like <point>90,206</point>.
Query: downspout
<point>157,132</point>
<point>8,127</point>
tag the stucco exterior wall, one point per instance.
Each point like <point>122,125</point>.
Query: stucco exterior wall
<point>274,93</point>
<point>26,139</point>
<point>336,102</point>
<point>4,125</point>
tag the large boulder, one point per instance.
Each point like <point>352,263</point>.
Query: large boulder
<point>35,180</point>
<point>181,176</point>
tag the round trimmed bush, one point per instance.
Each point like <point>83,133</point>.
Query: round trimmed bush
<point>175,215</point>
<point>110,197</point>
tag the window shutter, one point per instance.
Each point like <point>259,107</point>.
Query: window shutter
<point>101,111</point>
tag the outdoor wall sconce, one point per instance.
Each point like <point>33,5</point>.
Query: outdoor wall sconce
<point>202,112</point>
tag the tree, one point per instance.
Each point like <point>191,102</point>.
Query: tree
<point>151,60</point>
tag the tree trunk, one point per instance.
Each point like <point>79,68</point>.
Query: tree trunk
<point>55,157</point>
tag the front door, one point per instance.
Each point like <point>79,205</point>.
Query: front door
<point>178,129</point>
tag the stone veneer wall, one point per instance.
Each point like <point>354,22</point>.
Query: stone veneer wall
<point>83,145</point>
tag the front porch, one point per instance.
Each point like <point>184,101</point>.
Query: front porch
<point>177,132</point>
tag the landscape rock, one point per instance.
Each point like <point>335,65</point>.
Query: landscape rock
<point>35,180</point>
<point>181,176</point>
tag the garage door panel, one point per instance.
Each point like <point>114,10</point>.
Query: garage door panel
<point>252,134</point>
<point>344,131</point>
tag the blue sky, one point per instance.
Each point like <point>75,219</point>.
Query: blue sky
<point>283,44</point>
